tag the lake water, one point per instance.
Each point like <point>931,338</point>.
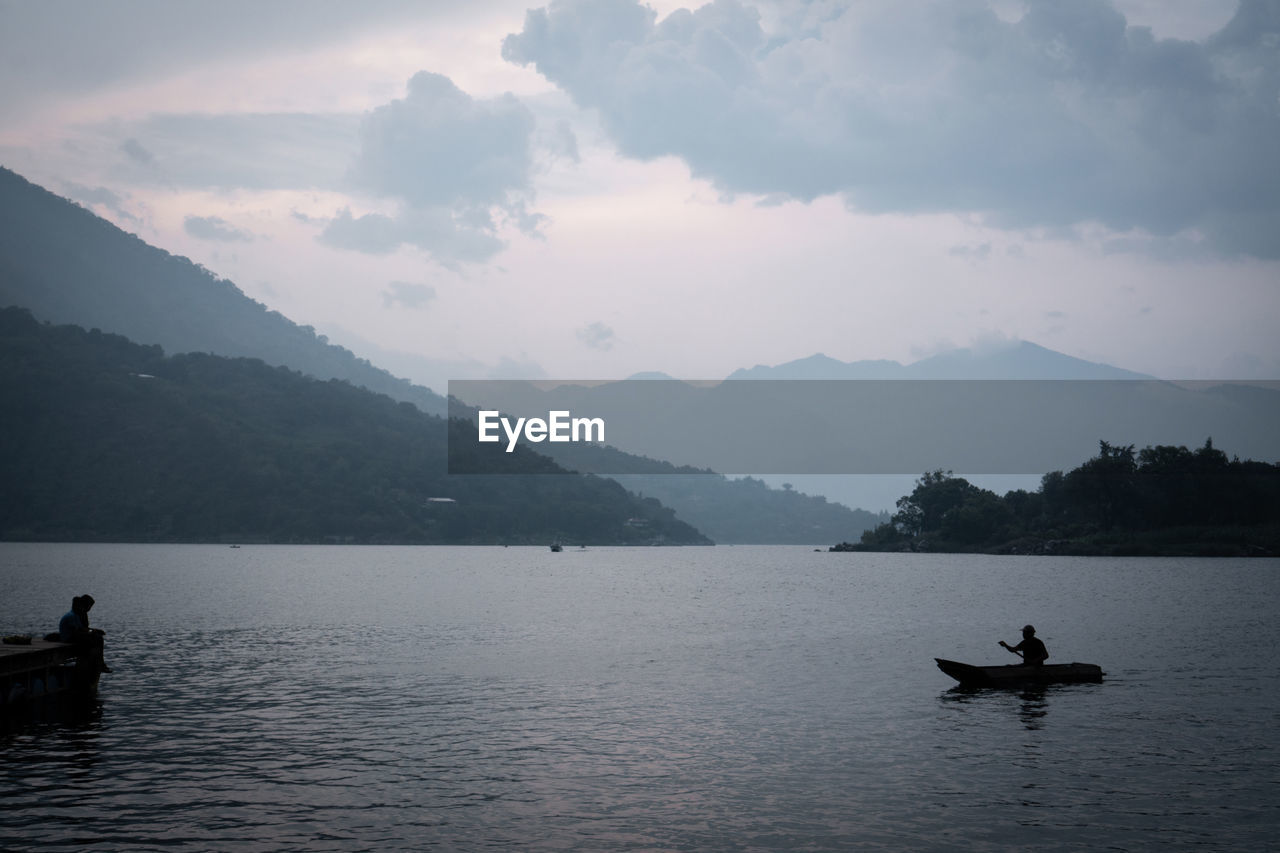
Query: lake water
<point>701,699</point>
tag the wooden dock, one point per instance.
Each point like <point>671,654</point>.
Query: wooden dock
<point>42,669</point>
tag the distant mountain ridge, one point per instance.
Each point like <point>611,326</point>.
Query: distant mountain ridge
<point>1017,360</point>
<point>67,265</point>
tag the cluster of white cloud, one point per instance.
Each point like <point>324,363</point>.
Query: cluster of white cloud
<point>215,228</point>
<point>1064,116</point>
<point>1041,118</point>
<point>1055,115</point>
<point>444,172</point>
<point>450,161</point>
<point>597,336</point>
<point>406,293</point>
<point>233,151</point>
<point>100,197</point>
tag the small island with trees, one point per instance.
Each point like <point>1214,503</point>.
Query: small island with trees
<point>1158,501</point>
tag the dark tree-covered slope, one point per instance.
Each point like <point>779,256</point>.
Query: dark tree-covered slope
<point>105,439</point>
<point>67,265</point>
<point>1160,500</point>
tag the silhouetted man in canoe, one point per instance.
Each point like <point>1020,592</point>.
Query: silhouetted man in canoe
<point>1031,648</point>
<point>73,627</point>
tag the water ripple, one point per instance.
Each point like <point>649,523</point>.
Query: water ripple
<point>685,699</point>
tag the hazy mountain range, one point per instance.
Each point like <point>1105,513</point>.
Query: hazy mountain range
<point>67,265</point>
<point>1002,360</point>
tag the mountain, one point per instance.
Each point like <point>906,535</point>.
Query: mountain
<point>118,442</point>
<point>742,511</point>
<point>1021,360</point>
<point>67,265</point>
<point>787,428</point>
<point>1014,360</point>
<point>650,374</point>
<point>820,366</point>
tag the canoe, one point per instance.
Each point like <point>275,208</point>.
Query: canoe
<point>1018,674</point>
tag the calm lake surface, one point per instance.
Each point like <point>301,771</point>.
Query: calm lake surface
<point>701,699</point>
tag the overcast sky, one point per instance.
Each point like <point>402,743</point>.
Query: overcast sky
<point>594,188</point>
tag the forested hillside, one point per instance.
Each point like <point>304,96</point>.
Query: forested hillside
<point>109,440</point>
<point>1159,500</point>
<point>67,265</point>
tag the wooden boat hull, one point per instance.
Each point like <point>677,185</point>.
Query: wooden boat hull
<point>1016,674</point>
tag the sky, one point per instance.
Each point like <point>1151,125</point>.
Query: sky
<point>595,188</point>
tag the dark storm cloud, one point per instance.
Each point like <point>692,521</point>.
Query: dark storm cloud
<point>215,228</point>
<point>1065,116</point>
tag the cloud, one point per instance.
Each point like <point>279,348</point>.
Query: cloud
<point>100,196</point>
<point>446,171</point>
<point>261,151</point>
<point>135,151</point>
<point>451,239</point>
<point>50,48</point>
<point>561,143</point>
<point>522,368</point>
<point>1067,115</point>
<point>980,252</point>
<point>408,294</point>
<point>596,336</point>
<point>215,228</point>
<point>459,167</point>
<point>1248,365</point>
<point>438,146</point>
<point>373,233</point>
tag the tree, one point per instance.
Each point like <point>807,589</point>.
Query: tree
<point>1104,487</point>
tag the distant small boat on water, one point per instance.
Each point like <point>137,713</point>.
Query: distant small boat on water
<point>557,547</point>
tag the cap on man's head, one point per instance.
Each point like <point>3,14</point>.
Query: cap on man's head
<point>1026,629</point>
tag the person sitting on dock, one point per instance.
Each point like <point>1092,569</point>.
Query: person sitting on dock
<point>74,628</point>
<point>1031,648</point>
